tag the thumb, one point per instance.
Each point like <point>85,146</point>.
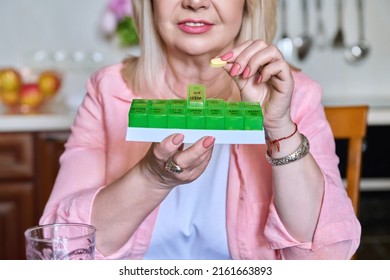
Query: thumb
<point>168,147</point>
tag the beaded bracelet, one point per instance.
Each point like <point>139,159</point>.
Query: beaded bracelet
<point>301,152</point>
<point>275,143</point>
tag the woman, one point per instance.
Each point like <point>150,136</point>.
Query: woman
<point>260,205</point>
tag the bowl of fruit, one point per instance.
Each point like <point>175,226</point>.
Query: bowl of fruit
<point>26,91</point>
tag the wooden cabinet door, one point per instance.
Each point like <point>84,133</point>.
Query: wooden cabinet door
<point>16,215</point>
<point>29,164</point>
<point>17,192</point>
<point>16,156</point>
<point>50,146</point>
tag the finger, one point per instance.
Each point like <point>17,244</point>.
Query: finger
<point>261,59</point>
<point>279,74</point>
<point>240,57</point>
<point>249,59</point>
<point>232,55</point>
<point>168,146</point>
<point>196,154</point>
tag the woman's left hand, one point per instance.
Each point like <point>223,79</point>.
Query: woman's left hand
<point>262,75</point>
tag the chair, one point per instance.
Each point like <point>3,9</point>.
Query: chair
<point>350,122</point>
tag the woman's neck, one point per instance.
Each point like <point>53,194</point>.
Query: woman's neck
<point>218,83</point>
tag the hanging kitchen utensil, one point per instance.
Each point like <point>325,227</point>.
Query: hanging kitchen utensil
<point>338,41</point>
<point>321,40</point>
<point>303,42</point>
<point>361,49</point>
<point>285,43</point>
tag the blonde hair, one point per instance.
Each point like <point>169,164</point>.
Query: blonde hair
<point>145,73</point>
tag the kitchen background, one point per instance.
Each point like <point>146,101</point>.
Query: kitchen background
<point>30,26</point>
<point>67,35</point>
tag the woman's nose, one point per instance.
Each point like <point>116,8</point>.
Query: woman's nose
<point>196,4</point>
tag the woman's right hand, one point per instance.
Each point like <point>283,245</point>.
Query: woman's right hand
<point>192,160</point>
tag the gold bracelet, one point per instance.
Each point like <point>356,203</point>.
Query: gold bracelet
<point>301,152</point>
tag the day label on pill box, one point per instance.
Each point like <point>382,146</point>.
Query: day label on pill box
<point>152,120</point>
<point>196,95</point>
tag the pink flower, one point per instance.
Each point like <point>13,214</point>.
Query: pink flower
<point>108,23</point>
<point>121,8</point>
<point>117,20</point>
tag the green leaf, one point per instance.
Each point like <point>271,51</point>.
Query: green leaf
<point>127,32</point>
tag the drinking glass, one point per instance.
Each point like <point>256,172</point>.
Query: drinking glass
<point>73,241</point>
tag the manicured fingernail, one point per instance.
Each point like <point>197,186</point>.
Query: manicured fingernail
<point>259,79</point>
<point>208,142</point>
<point>178,139</point>
<point>235,69</point>
<point>227,56</point>
<point>246,72</point>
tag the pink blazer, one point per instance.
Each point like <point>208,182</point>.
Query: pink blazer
<point>97,154</point>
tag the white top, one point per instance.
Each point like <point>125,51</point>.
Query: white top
<point>191,222</point>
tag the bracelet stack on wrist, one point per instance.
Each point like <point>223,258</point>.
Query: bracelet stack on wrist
<point>299,153</point>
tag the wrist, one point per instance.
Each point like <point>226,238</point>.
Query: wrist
<point>281,142</point>
<point>282,130</point>
<point>152,178</point>
<point>302,150</point>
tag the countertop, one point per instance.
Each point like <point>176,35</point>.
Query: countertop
<point>52,120</point>
<point>379,116</point>
<point>47,120</point>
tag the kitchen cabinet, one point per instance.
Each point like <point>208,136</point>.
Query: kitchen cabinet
<point>29,163</point>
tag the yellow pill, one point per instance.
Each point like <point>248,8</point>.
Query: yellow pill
<point>217,62</point>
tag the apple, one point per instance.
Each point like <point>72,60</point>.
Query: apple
<point>9,97</point>
<point>30,96</point>
<point>49,82</point>
<point>10,80</point>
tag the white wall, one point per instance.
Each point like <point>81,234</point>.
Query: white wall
<point>30,25</point>
<point>367,82</point>
<point>69,27</point>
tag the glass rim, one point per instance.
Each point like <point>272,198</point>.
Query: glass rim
<point>28,236</point>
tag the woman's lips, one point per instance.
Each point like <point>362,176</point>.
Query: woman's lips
<point>194,26</point>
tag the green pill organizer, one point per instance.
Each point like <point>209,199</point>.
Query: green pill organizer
<point>152,120</point>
